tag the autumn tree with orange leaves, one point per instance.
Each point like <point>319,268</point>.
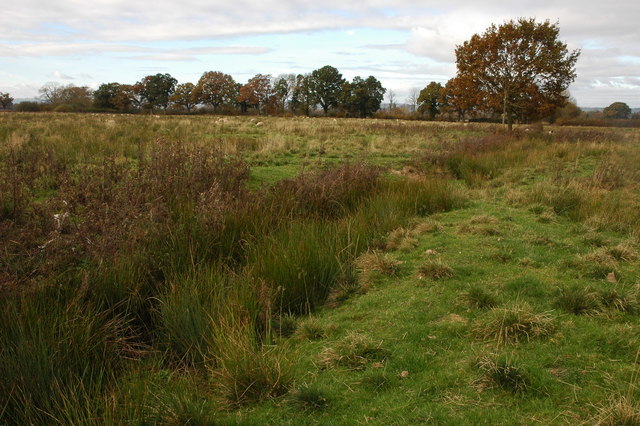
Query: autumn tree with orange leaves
<point>257,92</point>
<point>520,68</point>
<point>216,89</point>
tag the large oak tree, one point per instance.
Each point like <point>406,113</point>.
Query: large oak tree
<point>216,88</point>
<point>521,68</point>
<point>325,85</point>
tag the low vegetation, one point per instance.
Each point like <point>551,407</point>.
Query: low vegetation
<point>208,270</point>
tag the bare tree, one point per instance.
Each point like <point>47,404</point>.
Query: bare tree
<point>412,99</point>
<point>392,98</point>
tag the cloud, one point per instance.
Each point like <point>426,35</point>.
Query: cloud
<point>60,76</point>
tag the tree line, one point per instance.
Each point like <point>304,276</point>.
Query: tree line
<point>324,89</point>
<point>516,72</point>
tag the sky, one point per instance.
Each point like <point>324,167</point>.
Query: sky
<point>404,44</point>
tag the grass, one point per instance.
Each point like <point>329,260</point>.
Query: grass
<point>198,270</point>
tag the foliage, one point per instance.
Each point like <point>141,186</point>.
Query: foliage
<point>67,98</point>
<point>461,96</point>
<point>363,97</point>
<point>521,68</point>
<point>256,92</point>
<point>105,96</point>
<point>325,86</point>
<point>157,89</point>
<point>216,89</point>
<point>6,101</point>
<point>184,96</point>
<point>617,110</point>
<point>429,99</point>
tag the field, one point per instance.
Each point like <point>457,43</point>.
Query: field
<point>238,270</point>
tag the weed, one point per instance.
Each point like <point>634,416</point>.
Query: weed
<point>514,324</point>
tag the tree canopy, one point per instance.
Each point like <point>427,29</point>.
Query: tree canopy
<point>520,68</point>
<point>617,110</point>
<point>325,85</point>
<point>6,100</point>
<point>429,99</point>
<point>216,88</point>
<point>363,97</point>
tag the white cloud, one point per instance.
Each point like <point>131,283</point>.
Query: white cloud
<point>61,76</point>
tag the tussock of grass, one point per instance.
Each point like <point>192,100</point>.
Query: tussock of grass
<point>284,325</point>
<point>344,290</point>
<point>578,300</point>
<point>619,300</point>
<point>478,297</point>
<point>623,252</point>
<point>354,352</point>
<point>514,324</point>
<point>309,397</point>
<point>375,261</point>
<point>502,373</point>
<point>620,411</point>
<point>245,372</point>
<point>435,270</point>
<point>378,380</point>
<point>400,238</point>
<point>311,329</point>
<point>427,226</point>
<point>483,219</point>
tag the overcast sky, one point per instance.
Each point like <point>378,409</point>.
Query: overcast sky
<point>405,43</point>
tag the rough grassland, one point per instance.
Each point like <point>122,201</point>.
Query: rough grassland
<point>209,270</point>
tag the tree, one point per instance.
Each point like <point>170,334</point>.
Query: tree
<point>105,95</point>
<point>391,95</point>
<point>460,95</point>
<point>257,92</point>
<point>216,89</point>
<point>6,101</point>
<point>412,99</point>
<point>617,110</point>
<point>157,89</point>
<point>67,98</point>
<point>429,99</point>
<point>283,86</point>
<point>301,98</point>
<point>185,96</point>
<point>325,85</point>
<point>50,93</point>
<point>363,97</point>
<point>520,68</point>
